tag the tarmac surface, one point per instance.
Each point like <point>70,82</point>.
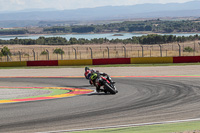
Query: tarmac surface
<point>113,71</point>
<point>140,100</point>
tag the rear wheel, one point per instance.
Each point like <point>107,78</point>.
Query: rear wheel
<point>110,89</point>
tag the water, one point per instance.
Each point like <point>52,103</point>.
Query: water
<point>90,36</point>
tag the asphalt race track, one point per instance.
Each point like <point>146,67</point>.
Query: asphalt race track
<point>140,100</point>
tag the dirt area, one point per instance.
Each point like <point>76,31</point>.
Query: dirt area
<point>33,52</point>
<point>112,71</point>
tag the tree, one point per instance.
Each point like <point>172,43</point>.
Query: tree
<point>5,51</point>
<point>73,40</point>
<point>44,53</point>
<point>188,49</point>
<point>58,51</point>
<point>41,40</point>
<point>1,54</point>
<point>148,28</point>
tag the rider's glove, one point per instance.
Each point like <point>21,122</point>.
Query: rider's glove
<point>104,74</point>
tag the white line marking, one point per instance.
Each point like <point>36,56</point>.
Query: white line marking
<point>120,126</point>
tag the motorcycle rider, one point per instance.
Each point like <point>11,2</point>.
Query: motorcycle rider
<point>88,73</point>
<point>94,75</point>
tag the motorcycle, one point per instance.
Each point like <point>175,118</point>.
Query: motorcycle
<point>107,85</point>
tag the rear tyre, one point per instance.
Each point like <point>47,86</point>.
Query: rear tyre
<point>110,89</point>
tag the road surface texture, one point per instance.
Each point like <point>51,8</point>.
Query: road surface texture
<point>114,71</point>
<point>140,100</point>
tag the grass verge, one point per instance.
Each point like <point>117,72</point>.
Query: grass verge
<point>116,65</point>
<point>163,128</point>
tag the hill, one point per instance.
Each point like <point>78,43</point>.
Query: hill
<point>188,9</point>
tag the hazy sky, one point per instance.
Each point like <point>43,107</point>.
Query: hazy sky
<point>12,5</point>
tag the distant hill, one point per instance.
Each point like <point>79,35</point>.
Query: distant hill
<point>189,9</point>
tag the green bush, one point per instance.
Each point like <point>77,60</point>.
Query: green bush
<point>58,51</point>
<point>188,49</point>
<point>44,53</point>
<point>26,54</point>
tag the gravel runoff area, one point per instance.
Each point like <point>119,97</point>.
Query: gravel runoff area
<point>112,71</point>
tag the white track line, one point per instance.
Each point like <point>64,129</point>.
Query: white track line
<point>120,126</point>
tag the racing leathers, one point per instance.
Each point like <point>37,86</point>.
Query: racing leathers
<point>88,73</point>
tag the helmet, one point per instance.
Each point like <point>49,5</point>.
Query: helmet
<point>93,76</point>
<point>87,68</point>
<point>93,70</point>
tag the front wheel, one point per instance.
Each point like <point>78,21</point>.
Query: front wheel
<point>110,88</point>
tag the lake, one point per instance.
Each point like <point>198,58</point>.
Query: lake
<point>91,36</point>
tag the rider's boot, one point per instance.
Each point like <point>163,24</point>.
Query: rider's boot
<point>98,89</point>
<point>90,81</point>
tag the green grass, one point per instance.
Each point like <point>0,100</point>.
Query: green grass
<point>162,128</point>
<point>117,65</point>
<point>53,92</point>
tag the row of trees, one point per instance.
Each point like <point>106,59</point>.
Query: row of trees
<point>149,39</point>
<point>13,32</point>
<point>131,26</point>
<point>127,26</point>
<point>162,39</point>
<point>6,51</point>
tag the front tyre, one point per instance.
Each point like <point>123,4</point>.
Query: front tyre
<point>109,88</point>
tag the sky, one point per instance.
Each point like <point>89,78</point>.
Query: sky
<point>15,5</point>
